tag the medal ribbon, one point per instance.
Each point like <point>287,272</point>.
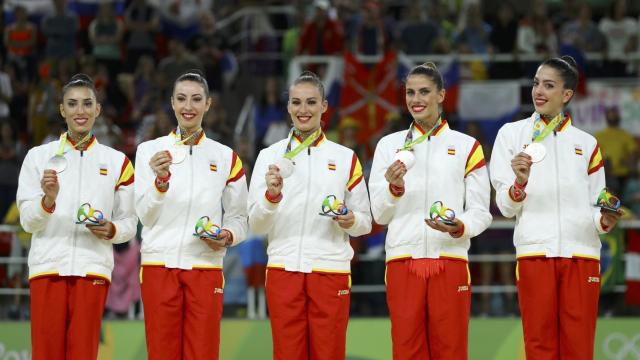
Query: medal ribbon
<point>540,133</point>
<point>290,154</point>
<point>179,136</point>
<point>409,144</point>
<point>63,142</point>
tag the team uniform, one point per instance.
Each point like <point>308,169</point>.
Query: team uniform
<point>429,309</point>
<point>556,236</point>
<point>308,271</point>
<point>181,277</point>
<point>69,267</point>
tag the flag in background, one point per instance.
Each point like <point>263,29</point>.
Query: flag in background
<point>632,271</point>
<point>369,93</point>
<point>611,267</point>
<point>450,71</point>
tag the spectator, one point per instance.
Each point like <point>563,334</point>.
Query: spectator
<point>418,34</point>
<point>504,30</point>
<point>105,33</point>
<point>12,152</point>
<point>20,39</point>
<point>6,92</point>
<point>372,36</point>
<point>210,46</point>
<point>474,37</point>
<point>60,30</point>
<point>264,43</point>
<point>142,21</point>
<point>503,39</point>
<point>143,91</point>
<point>125,279</point>
<point>535,32</point>
<point>583,33</point>
<point>322,35</point>
<point>215,123</point>
<point>268,111</point>
<point>179,61</point>
<point>620,32</point>
<point>180,17</point>
<point>43,104</point>
<point>618,149</point>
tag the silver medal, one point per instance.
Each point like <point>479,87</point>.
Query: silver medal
<point>178,154</point>
<point>285,166</point>
<point>537,152</point>
<point>406,157</point>
<point>57,163</point>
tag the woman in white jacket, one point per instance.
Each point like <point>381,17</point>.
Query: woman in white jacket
<point>549,174</point>
<point>429,166</point>
<point>76,198</point>
<point>191,197</point>
<point>308,272</point>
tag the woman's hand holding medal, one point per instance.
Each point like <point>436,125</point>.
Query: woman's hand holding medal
<point>274,181</point>
<point>521,165</point>
<point>395,173</point>
<point>160,163</point>
<point>50,187</point>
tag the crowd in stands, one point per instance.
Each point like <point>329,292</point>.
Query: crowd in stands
<point>134,49</point>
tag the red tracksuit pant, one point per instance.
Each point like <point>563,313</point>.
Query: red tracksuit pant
<point>309,314</point>
<point>559,304</point>
<point>429,317</point>
<point>66,312</point>
<point>182,312</point>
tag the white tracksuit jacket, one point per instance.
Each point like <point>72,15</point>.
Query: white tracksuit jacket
<point>98,175</point>
<point>449,167</point>
<point>299,238</point>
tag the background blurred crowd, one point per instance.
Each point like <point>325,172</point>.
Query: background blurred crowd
<point>134,49</point>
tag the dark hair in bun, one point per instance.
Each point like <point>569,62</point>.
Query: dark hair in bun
<point>567,68</point>
<point>194,75</point>
<point>310,78</point>
<point>429,70</point>
<point>80,80</point>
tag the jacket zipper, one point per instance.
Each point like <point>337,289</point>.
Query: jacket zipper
<point>75,228</point>
<point>426,196</point>
<point>304,213</point>
<point>186,220</point>
<point>555,148</point>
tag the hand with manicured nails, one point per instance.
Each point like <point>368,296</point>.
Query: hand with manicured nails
<point>274,181</point>
<point>437,224</point>
<point>160,163</point>
<point>395,173</point>
<point>345,221</point>
<point>521,165</point>
<point>224,238</point>
<point>50,187</point>
<point>104,230</point>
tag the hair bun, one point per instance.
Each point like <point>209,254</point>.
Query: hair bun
<point>310,74</point>
<point>570,60</point>
<point>430,65</point>
<point>194,71</point>
<point>81,77</point>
